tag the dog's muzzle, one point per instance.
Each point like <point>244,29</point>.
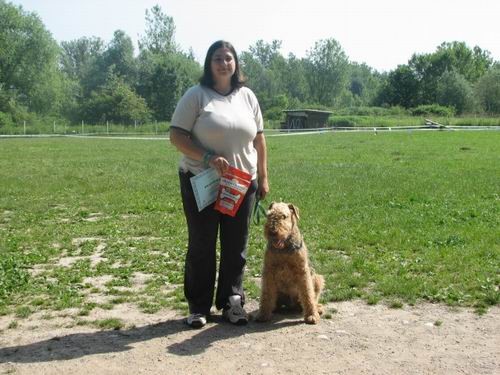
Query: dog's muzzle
<point>274,237</point>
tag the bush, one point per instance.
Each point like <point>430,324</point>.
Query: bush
<point>372,111</point>
<point>341,122</point>
<point>432,109</point>
<point>362,111</point>
<point>272,124</point>
<point>5,120</point>
<point>397,111</point>
<point>35,124</point>
<point>116,101</point>
<point>273,113</point>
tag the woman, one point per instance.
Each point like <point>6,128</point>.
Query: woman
<point>216,124</point>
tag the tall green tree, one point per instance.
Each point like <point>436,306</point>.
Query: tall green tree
<point>78,56</point>
<point>488,90</point>
<point>164,71</point>
<point>116,101</point>
<point>265,69</point>
<point>160,33</point>
<point>454,56</point>
<point>401,88</point>
<point>471,63</point>
<point>295,81</point>
<point>266,53</point>
<point>254,72</point>
<point>119,56</point>
<point>163,79</point>
<point>363,83</point>
<point>28,61</point>
<point>100,62</point>
<point>79,64</point>
<point>453,90</point>
<point>326,71</point>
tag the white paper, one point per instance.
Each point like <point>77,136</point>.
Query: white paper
<point>205,187</point>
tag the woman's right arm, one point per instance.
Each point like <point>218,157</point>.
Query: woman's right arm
<point>183,142</point>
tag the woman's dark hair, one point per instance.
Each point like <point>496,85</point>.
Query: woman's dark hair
<point>237,80</point>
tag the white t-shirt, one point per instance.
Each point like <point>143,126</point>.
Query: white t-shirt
<point>224,125</point>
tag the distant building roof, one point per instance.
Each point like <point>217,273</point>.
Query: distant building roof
<point>306,111</point>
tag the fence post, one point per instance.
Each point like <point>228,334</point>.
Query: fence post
<point>156,127</point>
<point>82,127</point>
<point>135,125</point>
<point>54,127</point>
<point>107,126</point>
<point>24,127</point>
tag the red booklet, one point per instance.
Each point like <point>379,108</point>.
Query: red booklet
<point>232,189</point>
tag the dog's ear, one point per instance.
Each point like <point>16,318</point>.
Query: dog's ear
<point>295,210</point>
<point>269,209</point>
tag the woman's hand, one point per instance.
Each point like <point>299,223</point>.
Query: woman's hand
<point>262,188</point>
<point>219,163</point>
<point>263,185</point>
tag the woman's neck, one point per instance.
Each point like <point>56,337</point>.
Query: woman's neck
<point>223,88</point>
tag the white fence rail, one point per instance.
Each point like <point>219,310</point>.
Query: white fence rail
<point>270,132</point>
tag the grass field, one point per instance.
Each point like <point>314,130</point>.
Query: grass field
<point>392,218</point>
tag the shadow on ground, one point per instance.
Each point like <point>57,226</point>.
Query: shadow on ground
<point>222,330</point>
<point>78,345</point>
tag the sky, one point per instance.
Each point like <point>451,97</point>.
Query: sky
<point>381,33</point>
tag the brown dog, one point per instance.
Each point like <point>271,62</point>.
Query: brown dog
<point>287,278</point>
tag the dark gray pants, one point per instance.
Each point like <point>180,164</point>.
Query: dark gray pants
<point>200,267</point>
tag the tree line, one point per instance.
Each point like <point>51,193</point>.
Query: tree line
<point>89,80</point>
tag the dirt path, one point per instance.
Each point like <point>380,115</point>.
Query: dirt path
<point>359,339</point>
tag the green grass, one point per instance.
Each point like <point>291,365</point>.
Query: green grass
<point>394,218</point>
<point>111,323</point>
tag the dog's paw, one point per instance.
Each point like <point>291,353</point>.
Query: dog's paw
<point>260,317</point>
<point>321,309</point>
<point>312,319</point>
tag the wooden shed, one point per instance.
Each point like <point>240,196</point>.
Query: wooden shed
<point>305,119</point>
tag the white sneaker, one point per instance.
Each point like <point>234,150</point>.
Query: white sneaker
<point>235,313</point>
<point>196,320</point>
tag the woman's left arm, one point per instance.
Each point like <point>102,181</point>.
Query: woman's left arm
<point>260,145</point>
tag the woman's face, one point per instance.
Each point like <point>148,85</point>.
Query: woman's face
<point>223,64</point>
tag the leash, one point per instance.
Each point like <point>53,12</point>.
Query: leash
<point>258,211</point>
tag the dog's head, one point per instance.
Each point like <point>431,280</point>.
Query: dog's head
<point>281,220</point>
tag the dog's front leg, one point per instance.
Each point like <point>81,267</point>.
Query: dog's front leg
<point>319,283</point>
<point>308,300</point>
<point>268,299</point>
